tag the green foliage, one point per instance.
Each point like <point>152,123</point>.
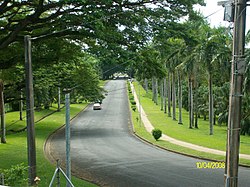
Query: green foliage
<point>245,126</point>
<point>150,64</point>
<point>56,63</point>
<point>133,107</point>
<point>88,21</point>
<point>131,97</point>
<point>156,133</point>
<point>245,123</point>
<point>133,102</point>
<point>16,175</point>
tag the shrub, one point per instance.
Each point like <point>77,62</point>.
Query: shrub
<point>156,133</point>
<point>133,102</point>
<point>133,108</point>
<point>17,174</point>
<point>131,97</point>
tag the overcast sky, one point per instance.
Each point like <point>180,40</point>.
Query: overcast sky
<point>215,14</point>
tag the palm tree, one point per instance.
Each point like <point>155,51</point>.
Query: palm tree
<point>180,97</point>
<point>173,95</point>
<point>211,51</point>
<point>173,61</point>
<point>165,94</point>
<point>161,93</point>
<point>169,95</point>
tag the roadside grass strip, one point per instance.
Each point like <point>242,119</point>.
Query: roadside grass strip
<point>15,150</point>
<point>171,128</point>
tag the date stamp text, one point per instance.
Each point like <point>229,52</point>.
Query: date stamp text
<point>210,165</point>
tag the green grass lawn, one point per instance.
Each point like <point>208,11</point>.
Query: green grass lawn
<point>15,150</point>
<point>102,83</point>
<point>171,128</point>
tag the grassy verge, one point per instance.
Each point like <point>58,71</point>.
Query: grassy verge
<point>102,83</point>
<point>182,132</point>
<point>15,150</point>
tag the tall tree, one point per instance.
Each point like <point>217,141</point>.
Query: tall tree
<point>211,49</point>
<point>179,98</point>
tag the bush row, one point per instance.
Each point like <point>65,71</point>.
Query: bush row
<point>131,98</point>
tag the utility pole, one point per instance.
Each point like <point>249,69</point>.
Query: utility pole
<point>2,113</point>
<point>30,112</point>
<point>235,99</point>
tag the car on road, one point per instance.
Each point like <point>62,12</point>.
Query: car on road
<point>97,106</point>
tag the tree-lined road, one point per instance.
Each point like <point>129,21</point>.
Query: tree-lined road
<point>104,150</point>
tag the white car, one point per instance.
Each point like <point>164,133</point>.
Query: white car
<point>97,106</point>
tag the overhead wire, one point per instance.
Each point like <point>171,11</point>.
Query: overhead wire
<point>215,12</point>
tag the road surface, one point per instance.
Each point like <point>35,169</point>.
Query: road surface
<point>105,151</point>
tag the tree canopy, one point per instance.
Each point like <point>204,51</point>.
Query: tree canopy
<point>120,23</point>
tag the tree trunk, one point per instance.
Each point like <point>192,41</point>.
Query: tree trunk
<point>2,113</point>
<point>173,96</point>
<point>162,96</point>
<point>165,94</point>
<point>169,95</point>
<point>156,91</point>
<point>153,89</point>
<point>196,105</point>
<point>190,101</point>
<point>211,112</point>
<point>146,84</point>
<point>180,98</point>
<point>196,120</point>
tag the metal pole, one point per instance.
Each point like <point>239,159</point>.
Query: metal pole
<point>238,68</point>
<point>30,112</point>
<point>67,136</point>
<point>58,173</point>
<point>2,111</point>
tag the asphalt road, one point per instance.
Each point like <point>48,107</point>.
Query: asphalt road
<point>104,150</point>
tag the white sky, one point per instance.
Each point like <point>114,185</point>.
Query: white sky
<point>217,12</point>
